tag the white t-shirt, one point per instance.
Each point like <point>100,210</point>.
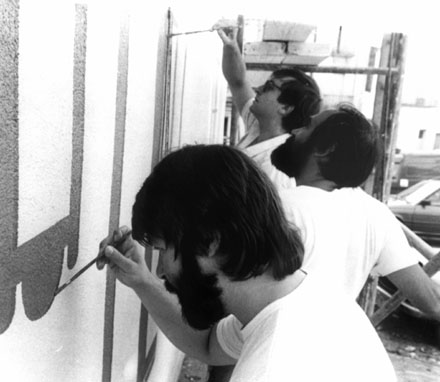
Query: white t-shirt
<point>311,335</point>
<point>260,152</point>
<point>347,235</point>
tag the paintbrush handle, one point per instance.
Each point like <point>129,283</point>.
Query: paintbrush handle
<point>76,275</point>
<point>201,31</point>
<point>82,270</point>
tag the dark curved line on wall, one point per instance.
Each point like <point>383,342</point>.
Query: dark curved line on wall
<point>38,263</point>
<point>9,38</point>
<point>142,345</point>
<point>182,110</point>
<point>147,362</point>
<point>7,302</point>
<point>144,365</point>
<point>41,263</point>
<point>42,257</point>
<point>120,118</point>
<point>160,147</point>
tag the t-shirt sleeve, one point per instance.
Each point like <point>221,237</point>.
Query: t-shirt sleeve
<point>395,252</point>
<point>229,336</point>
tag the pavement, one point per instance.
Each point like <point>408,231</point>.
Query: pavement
<point>413,345</point>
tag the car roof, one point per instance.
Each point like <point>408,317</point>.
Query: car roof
<point>419,191</point>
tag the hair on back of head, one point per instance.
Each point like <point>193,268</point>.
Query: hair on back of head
<point>351,144</point>
<point>202,193</point>
<point>303,93</point>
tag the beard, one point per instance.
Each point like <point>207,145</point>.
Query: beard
<point>199,297</point>
<point>291,157</point>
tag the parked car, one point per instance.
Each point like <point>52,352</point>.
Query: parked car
<point>410,168</point>
<point>418,207</point>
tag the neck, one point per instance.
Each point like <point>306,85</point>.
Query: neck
<point>269,128</point>
<point>323,184</point>
<point>311,176</point>
<point>245,299</point>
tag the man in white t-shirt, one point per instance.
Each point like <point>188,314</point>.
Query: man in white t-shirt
<point>330,158</point>
<point>271,111</point>
<point>347,234</point>
<point>286,342</point>
<point>227,249</point>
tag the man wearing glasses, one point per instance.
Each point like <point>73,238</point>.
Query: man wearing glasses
<point>271,111</point>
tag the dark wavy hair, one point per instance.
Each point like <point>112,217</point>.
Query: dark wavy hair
<point>302,93</point>
<point>205,192</point>
<point>352,146</point>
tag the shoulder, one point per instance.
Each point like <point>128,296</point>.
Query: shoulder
<point>359,197</point>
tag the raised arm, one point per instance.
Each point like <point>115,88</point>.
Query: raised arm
<point>234,68</point>
<point>129,266</point>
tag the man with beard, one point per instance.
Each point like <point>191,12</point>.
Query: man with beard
<point>330,158</point>
<point>286,101</point>
<point>347,234</point>
<point>226,248</point>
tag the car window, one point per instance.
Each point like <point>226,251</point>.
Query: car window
<point>418,192</point>
<point>434,198</point>
<point>411,193</point>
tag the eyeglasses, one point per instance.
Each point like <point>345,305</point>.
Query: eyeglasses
<point>269,85</point>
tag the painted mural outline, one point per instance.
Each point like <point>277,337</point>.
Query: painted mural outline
<point>36,264</point>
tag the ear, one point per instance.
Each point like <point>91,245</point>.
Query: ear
<point>214,245</point>
<point>325,153</point>
<point>208,263</point>
<point>286,109</point>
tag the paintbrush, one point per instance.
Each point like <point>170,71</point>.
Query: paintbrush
<point>82,270</point>
<point>204,30</point>
<point>76,275</point>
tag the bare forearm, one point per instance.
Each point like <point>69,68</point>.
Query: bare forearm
<point>166,312</point>
<point>234,69</point>
<point>419,289</point>
<point>129,266</point>
<point>233,66</point>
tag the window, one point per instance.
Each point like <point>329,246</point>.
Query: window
<point>434,198</point>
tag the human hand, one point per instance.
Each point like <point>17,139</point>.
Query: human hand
<point>227,31</point>
<point>118,236</point>
<point>125,257</point>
